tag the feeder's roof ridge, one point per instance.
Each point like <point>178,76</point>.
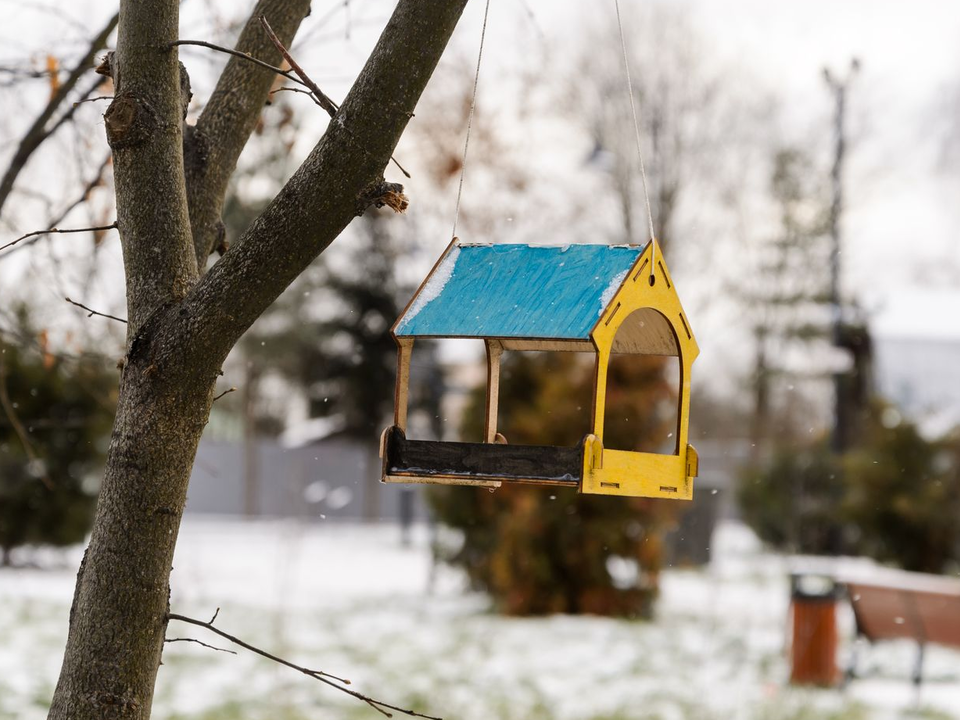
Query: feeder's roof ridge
<point>518,291</point>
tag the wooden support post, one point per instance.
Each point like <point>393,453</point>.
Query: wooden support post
<point>683,413</point>
<point>402,394</point>
<point>600,391</point>
<point>494,352</point>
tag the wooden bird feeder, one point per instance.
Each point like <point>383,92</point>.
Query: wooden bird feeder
<point>600,299</point>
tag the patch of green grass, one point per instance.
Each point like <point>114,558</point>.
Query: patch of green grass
<point>244,710</point>
<point>928,713</point>
<point>806,708</point>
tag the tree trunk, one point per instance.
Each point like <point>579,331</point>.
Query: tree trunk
<point>118,618</point>
<point>182,323</point>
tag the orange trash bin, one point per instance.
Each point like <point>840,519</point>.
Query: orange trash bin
<point>813,647</point>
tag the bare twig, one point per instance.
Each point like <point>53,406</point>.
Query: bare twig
<point>323,677</point>
<point>296,90</point>
<point>94,312</point>
<point>225,392</point>
<point>68,115</point>
<point>94,183</point>
<point>38,131</point>
<point>244,56</point>
<point>19,74</point>
<point>11,413</point>
<point>199,642</point>
<point>93,99</point>
<point>52,230</point>
<point>322,99</point>
<point>325,102</point>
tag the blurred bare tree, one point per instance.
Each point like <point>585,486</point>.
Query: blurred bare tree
<point>685,108</point>
<point>785,296</point>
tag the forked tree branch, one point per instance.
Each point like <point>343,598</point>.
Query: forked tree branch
<point>329,188</point>
<point>181,326</point>
<point>213,145</point>
<point>324,677</point>
<point>318,95</point>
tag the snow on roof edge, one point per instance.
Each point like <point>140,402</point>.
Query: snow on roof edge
<point>431,290</point>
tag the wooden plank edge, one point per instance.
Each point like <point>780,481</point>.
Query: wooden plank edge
<point>440,480</point>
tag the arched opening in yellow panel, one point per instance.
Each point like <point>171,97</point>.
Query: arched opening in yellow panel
<point>642,408</point>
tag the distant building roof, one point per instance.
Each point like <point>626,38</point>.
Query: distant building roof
<point>311,431</point>
<point>518,291</point>
<point>923,378</point>
<point>921,313</point>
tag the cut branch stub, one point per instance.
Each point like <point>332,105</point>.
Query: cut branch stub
<point>129,121</point>
<point>107,67</point>
<point>382,193</point>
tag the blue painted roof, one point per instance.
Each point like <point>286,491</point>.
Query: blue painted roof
<point>518,291</point>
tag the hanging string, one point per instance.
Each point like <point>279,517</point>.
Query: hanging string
<point>636,127</point>
<point>473,106</point>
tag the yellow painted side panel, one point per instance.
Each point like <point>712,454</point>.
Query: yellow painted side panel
<point>636,474</point>
<point>640,475</point>
<point>619,472</point>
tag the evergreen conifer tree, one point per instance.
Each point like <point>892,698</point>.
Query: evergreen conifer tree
<point>54,428</point>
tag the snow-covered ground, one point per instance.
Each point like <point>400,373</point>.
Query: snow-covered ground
<point>352,601</point>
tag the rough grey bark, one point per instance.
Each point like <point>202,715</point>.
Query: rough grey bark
<point>144,129</point>
<point>118,617</point>
<point>181,329</point>
<point>211,148</point>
